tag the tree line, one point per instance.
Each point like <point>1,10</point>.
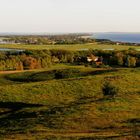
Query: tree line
<point>36,59</point>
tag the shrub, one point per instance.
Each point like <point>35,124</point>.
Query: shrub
<point>109,89</point>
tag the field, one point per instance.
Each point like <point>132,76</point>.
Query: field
<point>40,105</point>
<point>70,47</point>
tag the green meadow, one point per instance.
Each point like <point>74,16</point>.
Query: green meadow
<point>66,103</point>
<point>70,47</point>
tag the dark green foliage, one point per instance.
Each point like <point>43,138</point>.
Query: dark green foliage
<point>46,75</point>
<point>54,74</point>
<point>35,59</point>
<point>64,56</point>
<point>109,90</point>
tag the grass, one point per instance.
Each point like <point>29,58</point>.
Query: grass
<point>69,47</point>
<point>70,108</point>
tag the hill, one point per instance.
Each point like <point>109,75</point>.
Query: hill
<point>40,105</point>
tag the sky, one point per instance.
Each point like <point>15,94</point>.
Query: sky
<point>55,16</point>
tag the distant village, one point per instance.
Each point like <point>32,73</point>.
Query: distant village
<point>6,41</point>
<point>59,39</point>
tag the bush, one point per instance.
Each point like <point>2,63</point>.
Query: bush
<point>109,90</point>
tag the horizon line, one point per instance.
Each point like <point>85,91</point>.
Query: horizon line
<point>56,33</point>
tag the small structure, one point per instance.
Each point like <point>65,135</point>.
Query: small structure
<point>95,59</point>
<point>118,43</point>
<point>89,59</point>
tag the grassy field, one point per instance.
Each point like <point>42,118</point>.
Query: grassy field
<point>70,47</point>
<point>39,105</point>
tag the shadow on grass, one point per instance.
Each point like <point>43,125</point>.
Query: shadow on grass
<point>16,113</point>
<point>14,117</point>
<point>55,74</point>
<point>135,126</point>
<point>23,117</point>
<point>15,106</point>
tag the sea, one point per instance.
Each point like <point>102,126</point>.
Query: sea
<point>120,37</point>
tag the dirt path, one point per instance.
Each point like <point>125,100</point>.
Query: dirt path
<point>15,71</point>
<point>6,72</point>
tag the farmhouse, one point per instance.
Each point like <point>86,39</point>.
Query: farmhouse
<point>95,59</point>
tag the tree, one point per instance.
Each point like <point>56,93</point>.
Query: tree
<point>30,62</point>
<point>19,66</point>
<point>119,57</point>
<point>131,61</point>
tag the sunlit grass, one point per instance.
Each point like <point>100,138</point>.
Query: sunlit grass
<point>69,47</point>
<point>70,108</point>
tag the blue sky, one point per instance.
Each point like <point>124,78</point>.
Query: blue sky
<point>69,16</point>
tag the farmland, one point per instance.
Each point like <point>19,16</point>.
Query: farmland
<point>70,47</point>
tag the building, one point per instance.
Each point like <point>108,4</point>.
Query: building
<point>95,59</point>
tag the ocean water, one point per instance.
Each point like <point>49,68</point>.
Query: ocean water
<point>120,37</point>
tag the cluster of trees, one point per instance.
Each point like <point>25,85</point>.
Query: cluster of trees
<point>24,60</point>
<point>44,58</point>
<point>127,58</point>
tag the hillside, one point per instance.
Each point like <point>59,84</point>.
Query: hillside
<point>41,105</point>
